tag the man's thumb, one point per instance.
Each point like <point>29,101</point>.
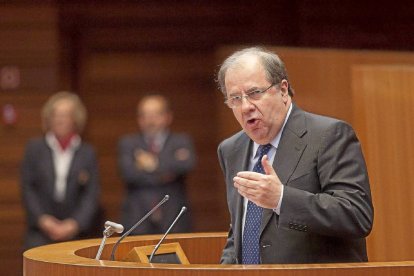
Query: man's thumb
<point>267,166</point>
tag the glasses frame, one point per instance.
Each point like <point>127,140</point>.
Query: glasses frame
<point>247,96</point>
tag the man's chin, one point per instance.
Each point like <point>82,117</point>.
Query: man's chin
<point>151,132</point>
<point>257,136</point>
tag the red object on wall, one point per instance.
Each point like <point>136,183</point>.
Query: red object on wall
<point>9,115</point>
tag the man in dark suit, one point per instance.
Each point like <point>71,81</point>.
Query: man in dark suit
<point>59,176</point>
<point>297,183</point>
<point>154,163</point>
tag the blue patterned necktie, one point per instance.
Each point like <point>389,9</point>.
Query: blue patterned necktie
<point>250,244</point>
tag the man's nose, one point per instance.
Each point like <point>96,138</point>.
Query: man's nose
<point>246,105</point>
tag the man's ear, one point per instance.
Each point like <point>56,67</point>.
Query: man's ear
<point>284,87</point>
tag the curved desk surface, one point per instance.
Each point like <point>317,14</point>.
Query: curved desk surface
<point>202,249</point>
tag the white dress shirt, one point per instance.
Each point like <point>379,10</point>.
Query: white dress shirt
<point>254,157</point>
<point>62,160</point>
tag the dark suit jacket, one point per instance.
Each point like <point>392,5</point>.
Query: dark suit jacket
<point>38,181</point>
<point>145,189</point>
<point>326,211</point>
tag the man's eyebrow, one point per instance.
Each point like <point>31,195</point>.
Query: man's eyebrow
<point>234,94</point>
<point>251,89</point>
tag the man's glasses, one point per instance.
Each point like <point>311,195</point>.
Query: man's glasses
<point>254,95</point>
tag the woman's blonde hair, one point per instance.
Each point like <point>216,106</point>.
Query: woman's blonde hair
<point>79,112</point>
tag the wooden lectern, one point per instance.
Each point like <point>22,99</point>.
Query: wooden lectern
<point>203,251</point>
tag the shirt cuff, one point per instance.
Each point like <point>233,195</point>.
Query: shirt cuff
<point>277,209</point>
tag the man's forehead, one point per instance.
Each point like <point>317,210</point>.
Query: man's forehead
<point>152,101</point>
<point>251,70</point>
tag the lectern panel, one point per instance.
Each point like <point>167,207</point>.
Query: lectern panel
<point>77,258</point>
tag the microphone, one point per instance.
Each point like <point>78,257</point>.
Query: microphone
<point>166,233</point>
<point>110,228</point>
<point>166,197</point>
<point>113,227</point>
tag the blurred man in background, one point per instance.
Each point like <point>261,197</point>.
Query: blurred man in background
<point>154,163</point>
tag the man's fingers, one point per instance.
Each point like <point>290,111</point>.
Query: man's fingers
<point>245,187</point>
<point>267,166</point>
<point>245,192</point>
<point>250,175</point>
<point>245,183</point>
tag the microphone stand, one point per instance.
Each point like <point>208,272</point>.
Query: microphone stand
<point>166,197</point>
<point>106,234</point>
<point>110,228</point>
<point>166,233</point>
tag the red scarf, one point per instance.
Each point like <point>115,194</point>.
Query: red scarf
<point>64,142</point>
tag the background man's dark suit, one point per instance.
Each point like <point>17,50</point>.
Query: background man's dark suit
<point>326,210</point>
<point>38,181</point>
<point>145,189</point>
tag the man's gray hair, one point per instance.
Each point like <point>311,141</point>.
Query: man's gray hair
<point>274,67</point>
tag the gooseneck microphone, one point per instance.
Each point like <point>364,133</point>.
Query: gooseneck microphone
<point>166,233</point>
<point>166,197</point>
<point>110,228</point>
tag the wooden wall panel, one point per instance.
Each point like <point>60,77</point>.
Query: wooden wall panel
<point>112,84</point>
<point>383,113</point>
<point>29,41</point>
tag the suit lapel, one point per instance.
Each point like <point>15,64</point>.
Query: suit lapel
<point>239,157</point>
<point>74,171</point>
<point>49,168</point>
<point>291,145</point>
<point>288,153</point>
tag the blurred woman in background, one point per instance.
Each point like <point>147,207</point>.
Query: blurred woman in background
<point>59,175</point>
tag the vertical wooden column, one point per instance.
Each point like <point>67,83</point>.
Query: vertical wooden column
<point>383,105</point>
<point>29,60</point>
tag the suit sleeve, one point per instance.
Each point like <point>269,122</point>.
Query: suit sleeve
<point>131,175</point>
<point>31,199</point>
<point>89,198</point>
<point>228,255</point>
<point>343,206</point>
<point>183,159</point>
<point>175,165</point>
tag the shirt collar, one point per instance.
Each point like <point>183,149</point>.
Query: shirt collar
<point>158,138</point>
<point>53,143</point>
<point>276,140</point>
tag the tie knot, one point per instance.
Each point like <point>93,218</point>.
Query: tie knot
<point>264,149</point>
